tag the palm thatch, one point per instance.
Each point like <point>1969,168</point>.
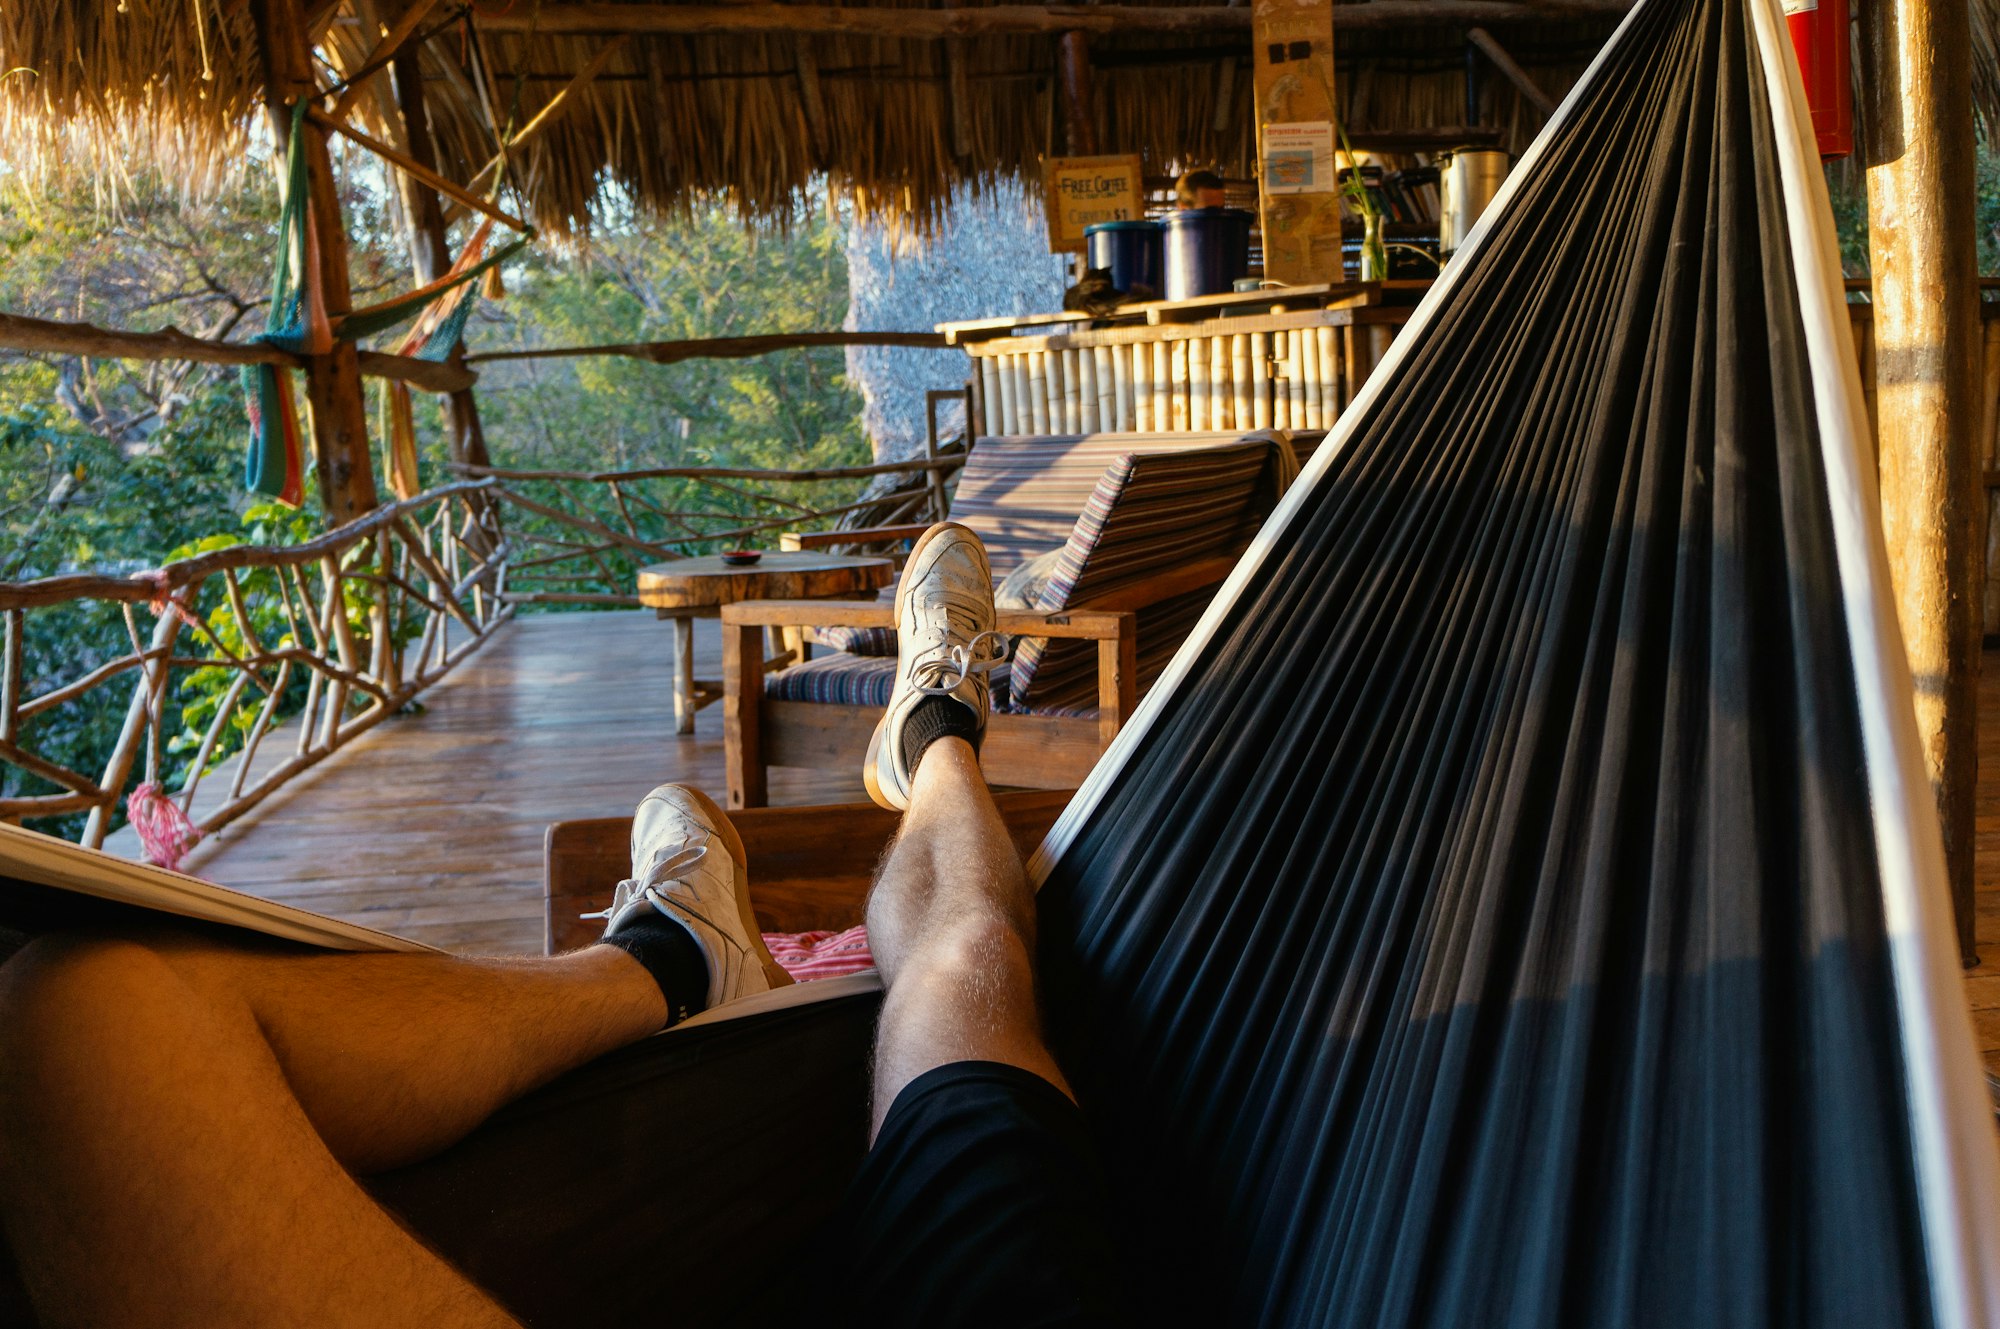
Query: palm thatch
<point>754,119</point>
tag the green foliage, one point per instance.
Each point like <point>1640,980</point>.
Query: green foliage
<point>110,467</point>
<point>1847,185</point>
<point>653,282</point>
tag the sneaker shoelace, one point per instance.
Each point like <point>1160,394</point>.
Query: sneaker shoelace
<point>980,655</point>
<point>668,868</point>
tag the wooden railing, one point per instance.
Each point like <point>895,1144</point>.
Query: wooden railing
<point>580,536</point>
<point>238,669</point>
<point>326,638</point>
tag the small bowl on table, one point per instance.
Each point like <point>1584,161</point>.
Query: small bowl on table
<point>741,558</point>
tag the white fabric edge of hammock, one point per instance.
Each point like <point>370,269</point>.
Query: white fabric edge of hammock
<point>1958,1158</point>
<point>1098,782</point>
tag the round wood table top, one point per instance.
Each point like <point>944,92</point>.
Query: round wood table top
<point>709,583</point>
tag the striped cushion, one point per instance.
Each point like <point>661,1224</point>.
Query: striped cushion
<point>857,680</point>
<point>857,641</point>
<point>1022,493</point>
<point>1151,513</point>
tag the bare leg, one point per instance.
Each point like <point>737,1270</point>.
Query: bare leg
<point>178,1118</point>
<point>952,925</point>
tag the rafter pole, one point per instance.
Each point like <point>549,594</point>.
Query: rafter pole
<point>1916,70</point>
<point>1077,103</point>
<point>430,248</point>
<point>333,380</point>
<point>584,19</point>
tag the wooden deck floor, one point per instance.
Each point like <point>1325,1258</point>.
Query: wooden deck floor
<point>431,824</point>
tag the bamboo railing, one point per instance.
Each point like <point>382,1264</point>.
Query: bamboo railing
<point>261,661</point>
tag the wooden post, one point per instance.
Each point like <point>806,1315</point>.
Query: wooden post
<point>1077,102</point>
<point>333,381</point>
<point>742,715</point>
<point>1917,75</point>
<point>430,250</point>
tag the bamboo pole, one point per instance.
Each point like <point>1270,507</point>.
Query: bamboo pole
<point>1141,356</point>
<point>1108,391</point>
<point>1086,386</point>
<point>1260,381</point>
<point>1917,76</point>
<point>1196,354</point>
<point>1332,400</point>
<point>1239,373</point>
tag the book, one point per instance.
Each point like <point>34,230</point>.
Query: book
<point>47,883</point>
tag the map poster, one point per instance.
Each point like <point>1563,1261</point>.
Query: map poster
<point>1298,157</point>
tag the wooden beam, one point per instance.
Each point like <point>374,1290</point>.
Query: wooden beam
<point>1916,72</point>
<point>333,381</point>
<point>1073,54</point>
<point>1519,77</point>
<point>48,337</point>
<point>402,162</point>
<point>385,51</point>
<point>719,348</point>
<point>587,19</point>
<point>430,249</point>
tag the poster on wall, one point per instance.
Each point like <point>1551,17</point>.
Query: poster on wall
<point>1298,157</point>
<point>1082,191</point>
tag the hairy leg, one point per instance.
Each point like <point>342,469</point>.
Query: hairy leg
<point>952,924</point>
<point>179,1118</point>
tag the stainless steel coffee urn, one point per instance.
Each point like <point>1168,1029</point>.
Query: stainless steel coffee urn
<point>1467,181</point>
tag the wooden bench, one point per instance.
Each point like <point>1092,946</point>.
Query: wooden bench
<point>810,867</point>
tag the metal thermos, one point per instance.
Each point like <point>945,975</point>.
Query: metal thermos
<point>1468,179</point>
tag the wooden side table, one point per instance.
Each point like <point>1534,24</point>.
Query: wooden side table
<point>698,588</point>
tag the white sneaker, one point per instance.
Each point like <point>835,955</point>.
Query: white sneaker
<point>688,863</point>
<point>946,643</point>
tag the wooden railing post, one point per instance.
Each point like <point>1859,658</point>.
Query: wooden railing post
<point>145,695</point>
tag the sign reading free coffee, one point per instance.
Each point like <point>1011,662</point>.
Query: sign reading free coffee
<point>1082,191</point>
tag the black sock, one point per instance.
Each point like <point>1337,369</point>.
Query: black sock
<point>673,957</point>
<point>934,718</point>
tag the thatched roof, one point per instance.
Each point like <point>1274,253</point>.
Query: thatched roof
<point>896,123</point>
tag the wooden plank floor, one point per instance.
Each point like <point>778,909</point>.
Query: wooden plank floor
<point>430,825</point>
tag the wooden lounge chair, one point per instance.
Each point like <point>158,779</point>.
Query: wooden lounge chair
<point>810,867</point>
<point>1159,531</point>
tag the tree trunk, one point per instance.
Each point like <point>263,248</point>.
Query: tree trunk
<point>1916,73</point>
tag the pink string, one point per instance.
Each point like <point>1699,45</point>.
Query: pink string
<point>164,830</point>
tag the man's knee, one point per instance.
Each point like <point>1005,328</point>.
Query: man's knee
<point>59,989</point>
<point>982,948</point>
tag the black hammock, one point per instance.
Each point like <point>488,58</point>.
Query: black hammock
<point>1520,904</point>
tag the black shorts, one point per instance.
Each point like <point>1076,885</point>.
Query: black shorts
<point>981,1203</point>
